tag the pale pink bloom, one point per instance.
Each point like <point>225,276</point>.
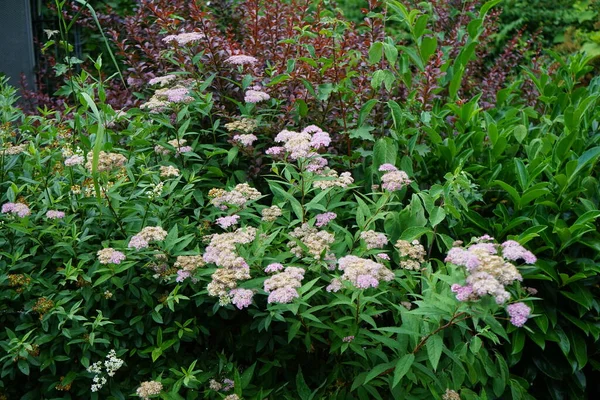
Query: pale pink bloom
<point>241,59</point>
<point>182,275</point>
<point>512,250</point>
<point>519,313</point>
<point>184,38</point>
<point>334,286</point>
<point>325,218</point>
<point>226,222</point>
<point>74,160</point>
<point>283,295</point>
<point>241,298</point>
<point>394,180</point>
<point>184,149</point>
<point>255,96</point>
<point>387,168</point>
<point>178,95</point>
<point>54,214</point>
<point>348,339</point>
<point>245,140</point>
<point>162,80</point>
<point>274,267</point>
<point>383,256</point>
<point>275,151</point>
<point>320,139</point>
<point>138,242</point>
<point>20,209</point>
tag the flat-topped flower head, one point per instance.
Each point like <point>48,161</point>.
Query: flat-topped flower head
<point>241,59</point>
<point>162,80</point>
<point>55,214</point>
<point>255,96</point>
<point>110,256</point>
<point>363,273</point>
<point>245,140</point>
<point>394,180</point>
<point>226,222</point>
<point>184,38</point>
<point>241,298</point>
<point>19,209</point>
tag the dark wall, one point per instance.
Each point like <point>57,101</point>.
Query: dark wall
<point>16,41</point>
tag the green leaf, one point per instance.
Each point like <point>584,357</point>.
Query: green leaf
<point>375,52</point>
<point>363,133</point>
<point>378,370</point>
<point>391,52</point>
<point>434,346</point>
<point>428,47</point>
<point>365,110</point>
<point>520,133</point>
<point>385,151</point>
<point>302,388</point>
<point>402,367</point>
<point>436,216</point>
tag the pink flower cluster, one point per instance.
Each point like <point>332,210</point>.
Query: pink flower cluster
<point>241,298</point>
<point>325,218</point>
<point>245,140</point>
<point>274,267</point>
<point>393,179</point>
<point>226,222</point>
<point>518,312</point>
<point>488,272</point>
<point>20,209</point>
<point>301,144</point>
<point>110,256</point>
<point>74,160</point>
<point>282,286</point>
<point>148,234</point>
<point>54,214</point>
<point>363,273</point>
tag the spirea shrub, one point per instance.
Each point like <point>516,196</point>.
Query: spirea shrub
<point>207,245</point>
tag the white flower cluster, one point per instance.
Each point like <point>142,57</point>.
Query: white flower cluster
<point>111,365</point>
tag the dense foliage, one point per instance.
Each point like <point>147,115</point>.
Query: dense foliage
<point>303,208</point>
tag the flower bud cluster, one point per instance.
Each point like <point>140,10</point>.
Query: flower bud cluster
<point>238,196</point>
<point>245,125</point>
<point>316,241</point>
<point>393,179</point>
<point>148,389</point>
<point>270,214</point>
<point>332,179</point>
<point>106,161</point>
<point>374,240</point>
<point>148,234</point>
<point>413,254</point>
<point>222,252</point>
